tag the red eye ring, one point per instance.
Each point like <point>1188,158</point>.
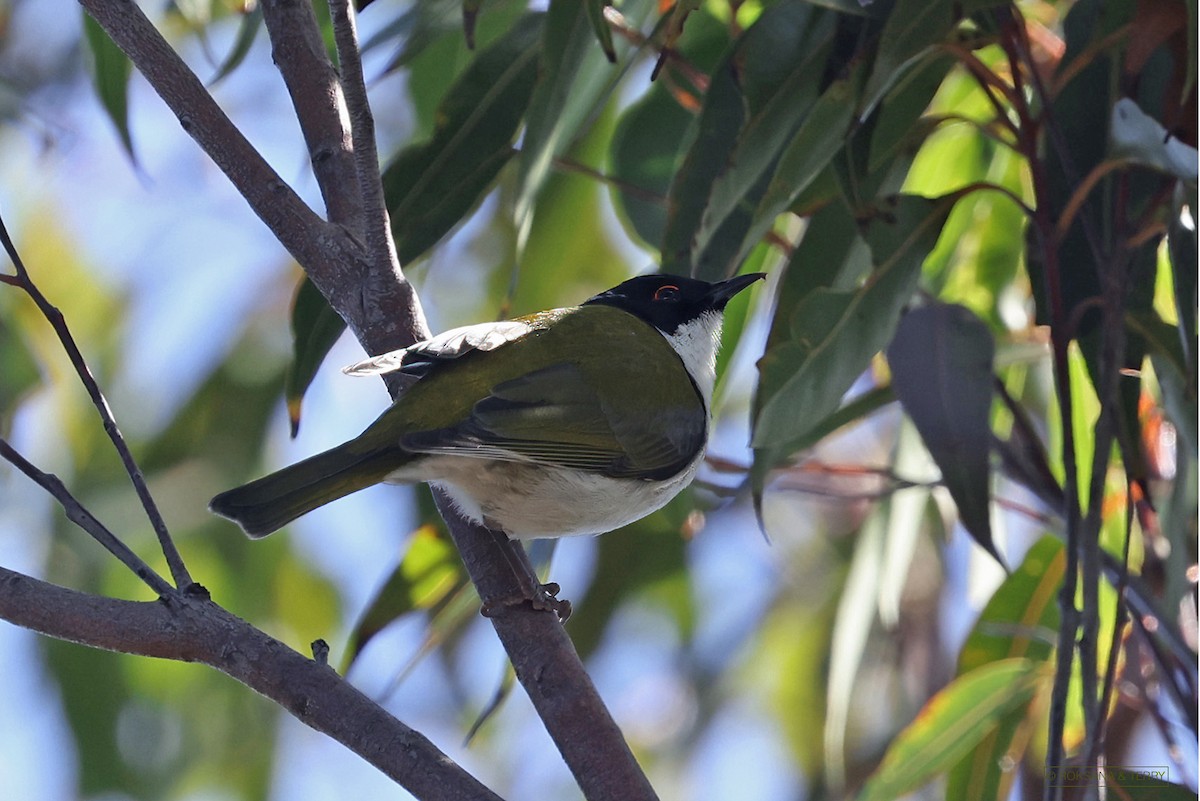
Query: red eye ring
<point>667,293</point>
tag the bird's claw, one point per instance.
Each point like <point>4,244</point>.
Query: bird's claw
<point>544,600</point>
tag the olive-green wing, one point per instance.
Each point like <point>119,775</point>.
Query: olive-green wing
<point>554,416</point>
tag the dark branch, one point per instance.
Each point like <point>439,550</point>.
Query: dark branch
<point>328,252</point>
<point>384,313</point>
<point>192,629</point>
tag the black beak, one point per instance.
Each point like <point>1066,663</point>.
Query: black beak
<point>720,292</point>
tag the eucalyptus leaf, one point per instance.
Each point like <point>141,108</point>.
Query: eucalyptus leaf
<point>428,577</point>
<point>431,186</point>
<point>316,327</point>
<point>806,155</point>
<point>952,723</point>
<point>252,22</point>
<point>834,333</point>
<point>759,94</point>
<point>595,10</point>
<point>574,78</point>
<point>111,69</point>
<point>20,371</point>
<point>1020,620</point>
<point>941,360</point>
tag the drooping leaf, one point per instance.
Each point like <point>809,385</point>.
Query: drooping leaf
<point>19,370</point>
<point>903,104</point>
<point>110,72</point>
<point>1020,620</point>
<point>1021,616</point>
<point>1182,249</point>
<point>653,133</point>
<point>573,79</point>
<point>428,577</point>
<point>315,329</point>
<point>952,723</point>
<point>759,94</point>
<point>911,28</point>
<point>818,139</point>
<point>247,32</point>
<point>595,10</point>
<point>941,360</point>
<point>850,632</point>
<point>789,103</point>
<point>646,149</point>
<point>833,333</point>
<point>431,186</point>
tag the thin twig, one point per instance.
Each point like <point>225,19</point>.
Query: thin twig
<point>53,316</point>
<point>78,514</point>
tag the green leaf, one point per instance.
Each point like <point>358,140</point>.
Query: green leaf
<point>1161,340</point>
<point>431,186</point>
<point>315,329</point>
<point>759,94</point>
<point>834,333</point>
<point>247,32</point>
<point>652,135</point>
<point>941,360</point>
<point>906,100</point>
<point>951,724</point>
<point>110,72</point>
<point>595,11</point>
<point>646,149</point>
<point>20,372</point>
<point>1182,249</point>
<point>573,79</point>
<point>791,114</point>
<point>912,27</point>
<point>1020,620</point>
<point>819,138</point>
<point>429,577</point>
<point>851,629</point>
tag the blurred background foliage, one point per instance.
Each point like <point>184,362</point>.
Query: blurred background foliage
<point>875,158</point>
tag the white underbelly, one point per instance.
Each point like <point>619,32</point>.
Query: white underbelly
<point>530,501</point>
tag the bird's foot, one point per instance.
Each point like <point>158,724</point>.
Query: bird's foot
<point>544,599</point>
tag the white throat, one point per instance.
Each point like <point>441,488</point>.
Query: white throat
<point>696,342</point>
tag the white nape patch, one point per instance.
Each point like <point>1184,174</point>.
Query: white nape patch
<point>696,342</point>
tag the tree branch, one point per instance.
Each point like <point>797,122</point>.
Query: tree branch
<point>379,304</point>
<point>384,313</point>
<point>192,629</point>
<point>330,254</point>
<point>549,669</point>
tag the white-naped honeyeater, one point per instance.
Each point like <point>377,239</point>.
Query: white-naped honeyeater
<point>569,421</point>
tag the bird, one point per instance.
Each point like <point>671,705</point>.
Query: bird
<point>571,421</point>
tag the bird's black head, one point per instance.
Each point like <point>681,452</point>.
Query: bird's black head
<point>669,301</point>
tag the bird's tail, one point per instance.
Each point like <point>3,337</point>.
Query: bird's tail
<point>271,502</point>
